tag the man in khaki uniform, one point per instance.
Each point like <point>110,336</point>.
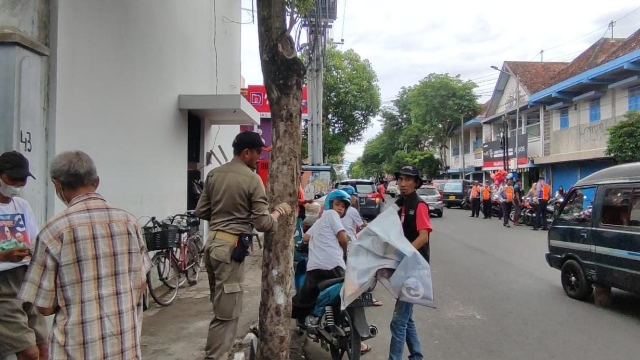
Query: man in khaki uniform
<point>234,202</point>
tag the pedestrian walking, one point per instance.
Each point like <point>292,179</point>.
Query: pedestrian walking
<point>486,200</point>
<point>23,331</point>
<point>416,225</point>
<point>475,199</point>
<point>517,202</point>
<point>506,198</point>
<point>234,202</point>
<point>382,190</point>
<point>88,269</point>
<point>543,192</point>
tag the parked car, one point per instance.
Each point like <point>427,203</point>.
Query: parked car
<point>595,237</point>
<point>439,184</point>
<point>369,199</point>
<point>392,188</point>
<point>433,198</point>
<point>455,192</point>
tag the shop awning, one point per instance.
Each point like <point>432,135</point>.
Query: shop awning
<point>220,109</point>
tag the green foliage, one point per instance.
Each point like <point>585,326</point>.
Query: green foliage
<point>351,99</point>
<point>623,142</point>
<point>422,120</point>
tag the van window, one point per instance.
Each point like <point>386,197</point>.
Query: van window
<point>634,217</point>
<point>578,206</point>
<point>453,187</point>
<point>616,206</point>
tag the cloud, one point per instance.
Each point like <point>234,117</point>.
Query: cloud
<point>405,40</point>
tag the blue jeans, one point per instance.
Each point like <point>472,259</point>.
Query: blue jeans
<point>403,329</point>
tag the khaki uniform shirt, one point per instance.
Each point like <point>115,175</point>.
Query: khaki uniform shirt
<point>234,201</point>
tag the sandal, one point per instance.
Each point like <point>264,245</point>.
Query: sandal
<point>377,302</point>
<point>366,349</point>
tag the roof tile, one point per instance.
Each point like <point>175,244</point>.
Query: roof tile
<point>534,75</point>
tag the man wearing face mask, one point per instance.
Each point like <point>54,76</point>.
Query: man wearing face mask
<point>88,268</point>
<point>234,202</point>
<point>23,331</point>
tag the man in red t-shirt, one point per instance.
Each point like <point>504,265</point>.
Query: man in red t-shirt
<point>382,190</point>
<point>416,225</point>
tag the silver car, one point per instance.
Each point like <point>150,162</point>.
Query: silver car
<point>433,198</point>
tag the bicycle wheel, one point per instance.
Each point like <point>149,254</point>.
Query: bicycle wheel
<point>163,272</point>
<point>194,261</point>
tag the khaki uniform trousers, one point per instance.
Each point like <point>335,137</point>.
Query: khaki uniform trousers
<point>225,285</point>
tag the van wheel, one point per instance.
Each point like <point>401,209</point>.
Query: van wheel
<point>574,281</point>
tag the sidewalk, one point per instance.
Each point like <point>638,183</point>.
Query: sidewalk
<point>179,331</point>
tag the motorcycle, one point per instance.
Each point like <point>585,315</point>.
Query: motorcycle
<point>466,204</point>
<point>339,331</point>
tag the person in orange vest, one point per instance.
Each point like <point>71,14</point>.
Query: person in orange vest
<point>475,199</point>
<point>486,200</point>
<point>544,191</point>
<point>506,201</point>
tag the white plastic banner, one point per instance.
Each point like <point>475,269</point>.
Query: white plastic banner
<point>382,252</point>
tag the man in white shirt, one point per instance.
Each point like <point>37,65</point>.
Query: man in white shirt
<point>23,331</point>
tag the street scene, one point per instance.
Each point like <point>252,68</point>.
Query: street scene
<point>319,179</point>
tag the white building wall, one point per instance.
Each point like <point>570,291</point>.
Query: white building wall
<point>119,68</point>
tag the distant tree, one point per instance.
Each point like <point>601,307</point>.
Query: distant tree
<point>623,144</point>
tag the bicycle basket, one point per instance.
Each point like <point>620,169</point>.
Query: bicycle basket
<point>158,238</point>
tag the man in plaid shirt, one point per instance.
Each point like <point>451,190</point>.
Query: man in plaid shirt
<point>89,269</point>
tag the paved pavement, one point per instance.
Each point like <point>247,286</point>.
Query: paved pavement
<point>498,299</point>
<point>179,331</point>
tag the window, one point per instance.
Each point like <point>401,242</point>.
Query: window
<point>453,187</point>
<point>634,217</point>
<point>594,110</point>
<point>578,206</point>
<point>634,98</point>
<point>427,191</point>
<point>564,118</point>
<point>616,206</point>
<point>362,187</point>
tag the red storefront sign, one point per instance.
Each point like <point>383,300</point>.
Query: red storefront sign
<point>257,96</point>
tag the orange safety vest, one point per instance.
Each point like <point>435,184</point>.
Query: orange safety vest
<point>486,193</point>
<point>546,189</point>
<point>508,191</point>
<point>474,192</point>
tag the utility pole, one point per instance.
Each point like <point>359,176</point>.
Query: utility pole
<point>611,25</point>
<point>462,143</point>
<point>515,152</point>
<point>315,89</point>
<point>541,55</point>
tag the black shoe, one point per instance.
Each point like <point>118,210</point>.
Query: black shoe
<point>545,229</point>
<point>507,225</point>
<point>471,216</point>
<point>534,229</point>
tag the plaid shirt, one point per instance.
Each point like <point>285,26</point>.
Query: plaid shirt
<point>91,261</point>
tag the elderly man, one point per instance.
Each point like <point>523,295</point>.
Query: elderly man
<point>89,269</point>
<point>234,202</point>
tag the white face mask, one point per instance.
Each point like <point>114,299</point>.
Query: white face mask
<point>60,196</point>
<point>8,190</point>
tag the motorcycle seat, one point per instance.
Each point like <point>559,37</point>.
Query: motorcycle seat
<point>327,283</point>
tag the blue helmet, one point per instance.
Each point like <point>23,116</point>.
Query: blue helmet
<point>348,189</point>
<point>337,195</point>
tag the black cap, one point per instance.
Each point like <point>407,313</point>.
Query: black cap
<point>247,140</point>
<point>410,170</point>
<point>15,165</point>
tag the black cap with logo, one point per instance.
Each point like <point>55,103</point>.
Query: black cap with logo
<point>410,170</point>
<point>15,165</point>
<point>247,140</point>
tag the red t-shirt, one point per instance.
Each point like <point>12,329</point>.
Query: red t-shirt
<point>381,190</point>
<point>423,220</point>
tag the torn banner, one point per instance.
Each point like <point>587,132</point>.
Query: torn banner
<point>382,253</point>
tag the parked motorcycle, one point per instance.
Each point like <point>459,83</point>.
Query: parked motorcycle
<point>466,204</point>
<point>339,331</point>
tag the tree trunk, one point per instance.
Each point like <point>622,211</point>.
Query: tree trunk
<point>283,74</point>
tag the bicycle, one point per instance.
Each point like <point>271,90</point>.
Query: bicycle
<point>178,258</point>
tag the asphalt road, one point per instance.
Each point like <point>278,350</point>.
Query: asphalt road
<point>498,299</point>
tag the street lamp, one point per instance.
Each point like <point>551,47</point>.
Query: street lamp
<point>515,152</point>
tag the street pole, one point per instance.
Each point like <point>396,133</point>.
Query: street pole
<point>315,79</point>
<point>517,118</point>
<point>462,143</point>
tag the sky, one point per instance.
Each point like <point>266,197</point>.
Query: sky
<point>405,40</point>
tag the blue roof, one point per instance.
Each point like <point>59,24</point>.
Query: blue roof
<point>587,75</point>
<point>469,123</point>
